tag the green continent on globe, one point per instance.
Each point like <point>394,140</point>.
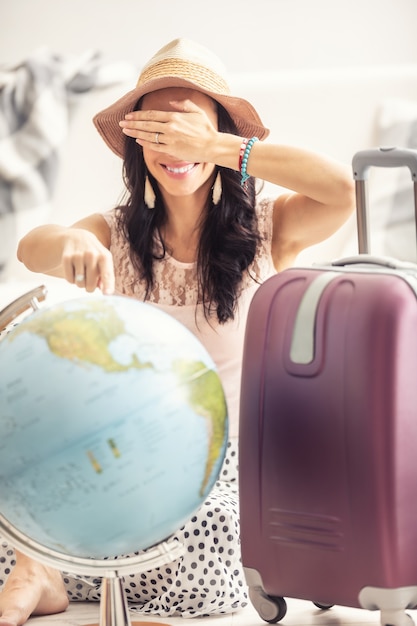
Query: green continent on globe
<point>207,399</point>
<point>82,335</point>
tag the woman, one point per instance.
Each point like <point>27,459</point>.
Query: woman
<point>192,239</point>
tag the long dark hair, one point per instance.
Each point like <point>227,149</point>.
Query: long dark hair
<point>229,234</point>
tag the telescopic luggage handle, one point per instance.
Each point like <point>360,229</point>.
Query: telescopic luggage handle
<point>378,157</point>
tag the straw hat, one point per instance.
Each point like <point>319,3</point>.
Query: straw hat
<point>181,63</point>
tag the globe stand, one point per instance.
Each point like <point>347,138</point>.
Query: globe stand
<point>113,606</point>
<point>21,305</point>
<point>114,610</point>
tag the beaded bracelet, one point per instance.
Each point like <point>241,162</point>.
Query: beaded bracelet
<point>244,160</point>
<point>242,151</point>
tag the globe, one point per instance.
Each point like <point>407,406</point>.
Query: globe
<point>113,426</point>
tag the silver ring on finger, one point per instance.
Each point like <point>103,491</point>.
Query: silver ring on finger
<point>156,137</point>
<point>79,278</point>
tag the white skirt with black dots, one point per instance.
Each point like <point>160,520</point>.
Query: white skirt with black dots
<point>208,579</point>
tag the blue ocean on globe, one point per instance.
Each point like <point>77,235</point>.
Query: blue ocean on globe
<point>113,426</point>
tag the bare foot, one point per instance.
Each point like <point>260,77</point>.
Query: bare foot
<point>31,589</point>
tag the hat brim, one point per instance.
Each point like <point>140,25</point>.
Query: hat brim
<point>247,120</point>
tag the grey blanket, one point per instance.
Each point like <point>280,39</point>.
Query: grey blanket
<point>36,98</point>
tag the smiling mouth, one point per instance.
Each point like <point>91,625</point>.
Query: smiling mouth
<point>184,169</point>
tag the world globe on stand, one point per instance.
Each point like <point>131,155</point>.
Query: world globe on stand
<point>113,426</point>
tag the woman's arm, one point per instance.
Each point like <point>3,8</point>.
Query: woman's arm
<point>67,252</point>
<point>320,199</point>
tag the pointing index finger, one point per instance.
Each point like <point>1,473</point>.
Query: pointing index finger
<point>106,280</point>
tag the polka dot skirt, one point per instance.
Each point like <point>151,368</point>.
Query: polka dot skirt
<point>208,579</point>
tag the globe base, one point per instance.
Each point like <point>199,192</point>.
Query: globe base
<point>114,610</point>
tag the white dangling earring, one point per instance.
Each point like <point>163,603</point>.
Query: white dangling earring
<point>149,195</point>
<point>217,189</point>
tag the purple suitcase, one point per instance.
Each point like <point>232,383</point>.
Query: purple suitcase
<point>328,430</point>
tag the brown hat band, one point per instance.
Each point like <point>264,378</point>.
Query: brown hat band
<point>201,76</point>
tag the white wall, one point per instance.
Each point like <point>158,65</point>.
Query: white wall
<point>246,34</point>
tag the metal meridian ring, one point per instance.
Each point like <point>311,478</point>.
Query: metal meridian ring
<point>156,137</point>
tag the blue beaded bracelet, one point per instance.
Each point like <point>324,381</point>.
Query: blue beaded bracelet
<point>245,158</point>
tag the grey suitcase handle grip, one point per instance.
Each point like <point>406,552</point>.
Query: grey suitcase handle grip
<point>383,157</point>
<point>378,157</point>
<point>378,261</point>
<point>16,308</point>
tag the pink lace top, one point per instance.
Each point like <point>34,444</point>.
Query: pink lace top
<point>175,292</point>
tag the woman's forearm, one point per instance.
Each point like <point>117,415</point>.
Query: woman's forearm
<point>41,250</point>
<point>79,253</point>
<point>310,174</point>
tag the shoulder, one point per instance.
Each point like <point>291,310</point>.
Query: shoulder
<point>110,218</point>
<point>96,224</point>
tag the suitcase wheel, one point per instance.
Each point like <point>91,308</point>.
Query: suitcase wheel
<point>322,606</point>
<point>270,608</point>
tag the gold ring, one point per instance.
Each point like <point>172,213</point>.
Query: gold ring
<point>156,137</point>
